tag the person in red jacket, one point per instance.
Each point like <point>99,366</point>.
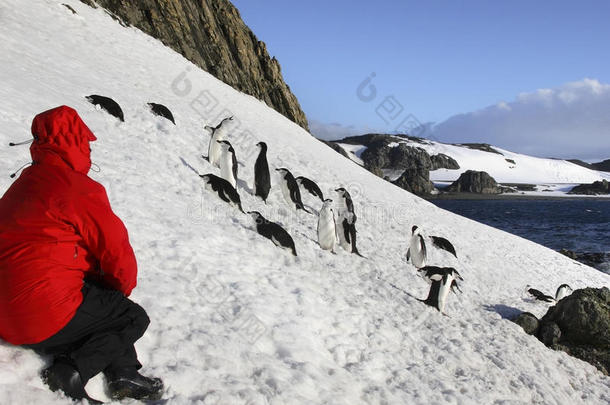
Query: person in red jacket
<point>67,268</point>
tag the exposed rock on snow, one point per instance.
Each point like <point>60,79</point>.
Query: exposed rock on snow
<point>442,161</point>
<point>415,180</point>
<point>580,325</point>
<point>528,322</point>
<point>212,35</point>
<point>595,188</point>
<point>473,181</point>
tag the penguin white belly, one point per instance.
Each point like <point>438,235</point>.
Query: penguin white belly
<point>341,233</point>
<point>286,192</point>
<point>226,168</point>
<point>443,292</point>
<point>326,230</point>
<point>214,150</point>
<point>418,253</point>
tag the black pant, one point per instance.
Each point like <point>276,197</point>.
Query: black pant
<point>101,335</point>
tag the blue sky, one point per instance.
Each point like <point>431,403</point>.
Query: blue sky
<point>434,59</point>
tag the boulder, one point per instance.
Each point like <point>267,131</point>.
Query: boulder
<point>595,188</point>
<point>442,161</point>
<point>212,35</point>
<point>473,181</point>
<point>528,322</point>
<point>416,181</point>
<point>549,333</point>
<point>580,325</point>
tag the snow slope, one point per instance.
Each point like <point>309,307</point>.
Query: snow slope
<point>507,167</point>
<point>236,320</point>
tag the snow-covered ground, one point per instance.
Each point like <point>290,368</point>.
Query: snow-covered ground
<point>507,167</point>
<point>235,320</point>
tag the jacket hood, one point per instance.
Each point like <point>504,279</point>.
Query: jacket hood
<point>61,133</point>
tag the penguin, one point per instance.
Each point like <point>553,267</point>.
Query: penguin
<point>217,134</point>
<point>327,226</point>
<point>273,231</point>
<point>228,163</point>
<point>443,244</point>
<point>310,186</point>
<point>539,295</point>
<point>417,252</point>
<point>345,216</point>
<point>162,111</point>
<point>290,190</point>
<point>346,208</point>
<point>443,280</point>
<point>107,104</point>
<point>348,241</point>
<point>563,291</point>
<point>223,188</point>
<point>262,178</point>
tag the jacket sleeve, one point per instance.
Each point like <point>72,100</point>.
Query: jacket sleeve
<point>106,238</point>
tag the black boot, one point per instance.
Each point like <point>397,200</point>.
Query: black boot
<point>128,383</point>
<point>63,376</point>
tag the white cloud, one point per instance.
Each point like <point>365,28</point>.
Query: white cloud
<point>334,131</point>
<point>572,121</point>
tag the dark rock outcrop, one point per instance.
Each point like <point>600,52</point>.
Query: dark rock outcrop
<point>416,181</point>
<point>581,326</point>
<point>603,166</point>
<point>595,188</point>
<point>212,35</point>
<point>472,181</point>
<point>528,322</point>
<point>549,333</point>
<point>485,147</point>
<point>598,260</point>
<point>335,147</point>
<point>442,161</point>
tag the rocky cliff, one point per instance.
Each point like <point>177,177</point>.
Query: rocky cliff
<point>212,35</point>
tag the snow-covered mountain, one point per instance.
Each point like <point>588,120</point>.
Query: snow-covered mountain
<point>235,320</point>
<point>503,165</point>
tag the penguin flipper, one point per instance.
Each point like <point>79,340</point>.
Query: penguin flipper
<point>408,254</point>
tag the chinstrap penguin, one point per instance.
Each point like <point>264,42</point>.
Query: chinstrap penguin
<point>290,189</point>
<point>273,231</point>
<point>262,178</point>
<point>311,187</point>
<point>417,252</point>
<point>217,133</point>
<point>222,188</point>
<point>563,291</point>
<point>228,163</point>
<point>327,227</point>
<point>539,295</point>
<point>443,280</point>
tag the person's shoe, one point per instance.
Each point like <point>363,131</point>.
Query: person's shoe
<point>63,376</point>
<point>128,383</point>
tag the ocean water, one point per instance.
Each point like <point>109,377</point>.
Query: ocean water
<point>581,225</point>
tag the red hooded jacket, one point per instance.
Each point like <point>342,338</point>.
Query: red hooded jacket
<point>56,228</point>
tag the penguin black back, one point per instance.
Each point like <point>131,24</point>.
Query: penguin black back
<point>109,105</point>
<point>293,189</point>
<point>223,188</point>
<point>444,244</point>
<point>162,111</point>
<point>273,231</point>
<point>262,178</point>
<point>310,186</point>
